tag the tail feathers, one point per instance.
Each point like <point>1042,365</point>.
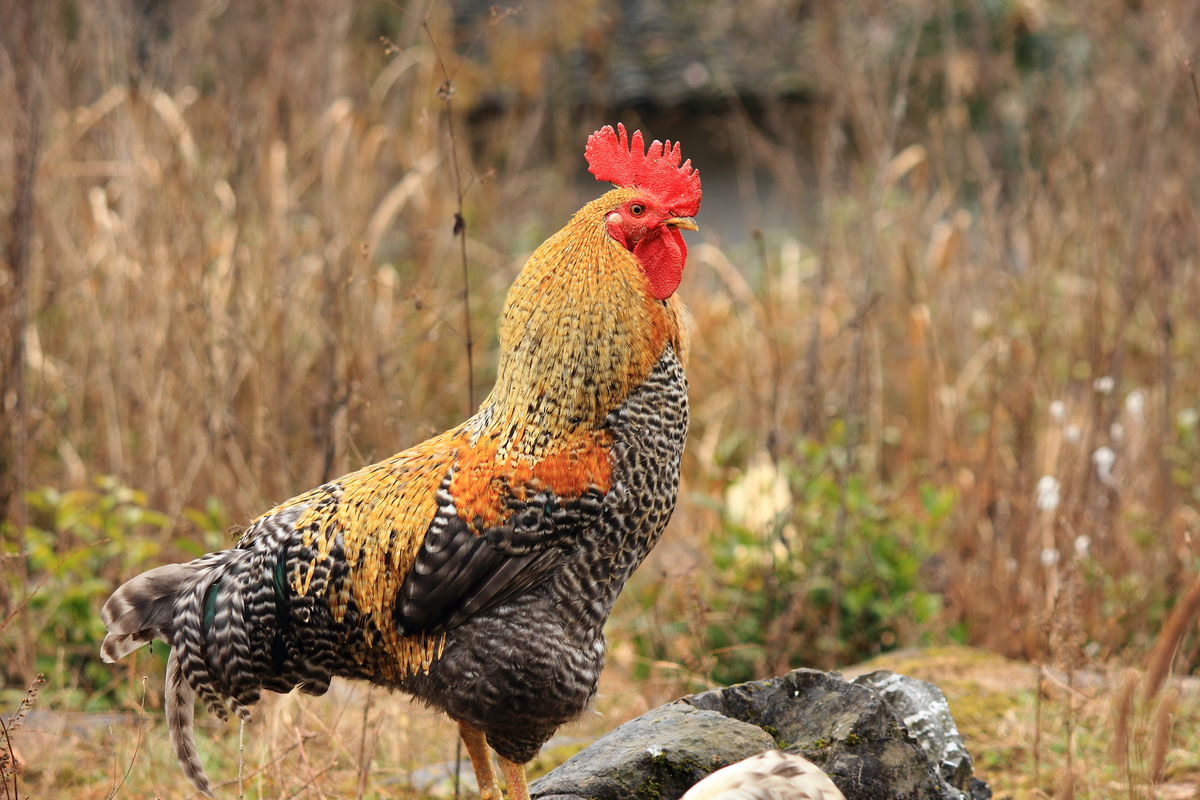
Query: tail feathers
<point>229,638</point>
<point>235,627</point>
<point>144,609</point>
<point>189,643</point>
<point>180,713</point>
<point>199,608</point>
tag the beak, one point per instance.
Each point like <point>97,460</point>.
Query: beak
<point>684,223</point>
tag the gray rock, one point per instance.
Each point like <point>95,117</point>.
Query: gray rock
<point>857,732</point>
<point>804,708</point>
<point>659,755</point>
<point>926,713</point>
<point>847,729</point>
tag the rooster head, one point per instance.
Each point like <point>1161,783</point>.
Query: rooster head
<point>661,198</point>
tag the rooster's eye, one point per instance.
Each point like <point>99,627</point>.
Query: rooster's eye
<point>637,209</point>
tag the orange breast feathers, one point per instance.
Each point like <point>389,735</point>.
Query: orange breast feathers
<point>486,479</point>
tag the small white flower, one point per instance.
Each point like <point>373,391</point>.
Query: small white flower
<point>654,750</point>
<point>1050,557</point>
<point>1072,433</point>
<point>1188,418</point>
<point>1104,458</point>
<point>1047,493</point>
<point>1082,543</point>
<point>1117,431</point>
<point>1135,404</point>
<point>1058,411</point>
<point>1104,384</point>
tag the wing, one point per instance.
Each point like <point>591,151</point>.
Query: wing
<point>504,521</point>
<point>328,566</point>
<point>460,572</point>
<point>409,548</point>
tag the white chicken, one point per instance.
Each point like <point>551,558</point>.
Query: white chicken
<point>773,775</point>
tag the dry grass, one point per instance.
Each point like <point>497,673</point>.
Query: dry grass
<point>314,746</point>
<point>297,744</point>
<point>244,280</point>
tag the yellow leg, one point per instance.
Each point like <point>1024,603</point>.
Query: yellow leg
<point>481,760</point>
<point>514,779</point>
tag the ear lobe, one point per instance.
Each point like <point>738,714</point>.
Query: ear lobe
<point>616,230</point>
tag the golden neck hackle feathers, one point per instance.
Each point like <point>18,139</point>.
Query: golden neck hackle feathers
<point>579,330</point>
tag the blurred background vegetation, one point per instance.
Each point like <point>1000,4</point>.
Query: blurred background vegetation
<point>944,376</point>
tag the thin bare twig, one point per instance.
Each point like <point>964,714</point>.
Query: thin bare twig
<point>137,745</point>
<point>1186,63</point>
<point>364,758</point>
<point>12,760</point>
<point>241,757</point>
<point>273,762</point>
<point>312,774</point>
<point>446,92</point>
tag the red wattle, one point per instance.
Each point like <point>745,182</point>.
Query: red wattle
<point>662,258</point>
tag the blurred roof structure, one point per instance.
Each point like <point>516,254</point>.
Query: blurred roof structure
<point>621,53</point>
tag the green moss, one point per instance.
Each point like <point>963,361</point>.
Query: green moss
<point>853,739</point>
<point>667,774</point>
<point>773,732</point>
<point>650,789</point>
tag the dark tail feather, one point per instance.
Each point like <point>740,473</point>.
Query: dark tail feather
<point>180,712</point>
<point>190,640</point>
<point>208,655</point>
<point>144,608</point>
<point>230,619</point>
<point>229,638</point>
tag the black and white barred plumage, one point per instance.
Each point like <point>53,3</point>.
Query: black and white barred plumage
<point>512,615</point>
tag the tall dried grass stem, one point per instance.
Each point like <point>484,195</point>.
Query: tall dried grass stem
<point>1037,729</point>
<point>1164,717</point>
<point>1123,708</point>
<point>8,759</point>
<point>14,400</point>
<point>1066,787</point>
<point>1159,664</point>
<point>364,756</point>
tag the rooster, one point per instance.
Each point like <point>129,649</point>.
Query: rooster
<point>474,571</point>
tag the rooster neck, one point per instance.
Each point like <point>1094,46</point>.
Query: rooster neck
<point>580,330</point>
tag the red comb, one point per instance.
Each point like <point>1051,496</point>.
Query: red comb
<point>612,157</point>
